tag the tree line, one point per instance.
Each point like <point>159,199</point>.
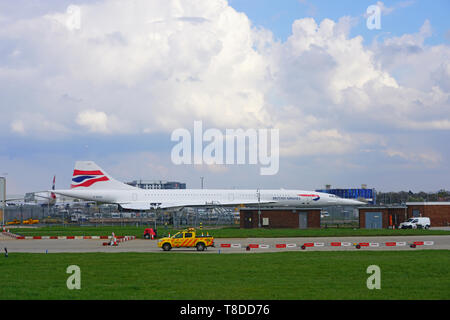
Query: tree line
<point>410,196</point>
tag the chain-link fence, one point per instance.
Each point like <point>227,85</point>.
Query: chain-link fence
<point>110,215</point>
<point>339,217</point>
<point>213,215</point>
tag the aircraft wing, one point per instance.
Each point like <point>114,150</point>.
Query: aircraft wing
<point>144,205</point>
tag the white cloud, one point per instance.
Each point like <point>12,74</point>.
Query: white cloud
<point>18,126</point>
<point>94,121</point>
<point>385,10</point>
<point>427,157</point>
<point>146,67</point>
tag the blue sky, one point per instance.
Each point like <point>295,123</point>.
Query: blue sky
<point>407,16</point>
<point>112,90</point>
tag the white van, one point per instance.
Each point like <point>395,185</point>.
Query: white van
<point>416,223</point>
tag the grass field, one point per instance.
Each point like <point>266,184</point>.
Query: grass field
<point>191,276</point>
<point>226,232</point>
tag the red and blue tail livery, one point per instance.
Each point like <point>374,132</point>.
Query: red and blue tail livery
<point>86,178</point>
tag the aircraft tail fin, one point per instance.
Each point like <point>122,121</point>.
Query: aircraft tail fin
<point>87,174</point>
<point>52,194</point>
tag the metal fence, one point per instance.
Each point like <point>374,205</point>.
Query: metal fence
<point>110,215</point>
<point>339,217</point>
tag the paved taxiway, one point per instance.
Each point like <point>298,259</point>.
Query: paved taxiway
<point>140,245</point>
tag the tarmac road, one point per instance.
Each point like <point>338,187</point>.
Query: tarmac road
<point>140,245</point>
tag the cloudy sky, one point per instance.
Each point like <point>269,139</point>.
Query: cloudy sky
<point>110,81</point>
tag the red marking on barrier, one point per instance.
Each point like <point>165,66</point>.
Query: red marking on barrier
<point>103,237</point>
<point>70,237</point>
<point>309,244</point>
<point>87,237</point>
<point>335,244</point>
<point>254,246</point>
<point>225,245</point>
<point>418,243</point>
<point>280,245</point>
<point>37,237</point>
<point>391,244</point>
<point>53,237</point>
<point>20,237</point>
<point>364,244</point>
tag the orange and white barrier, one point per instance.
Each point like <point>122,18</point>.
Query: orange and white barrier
<point>118,238</point>
<point>331,244</point>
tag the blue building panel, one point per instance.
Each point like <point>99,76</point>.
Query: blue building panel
<point>368,194</point>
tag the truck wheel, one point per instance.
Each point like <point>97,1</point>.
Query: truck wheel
<point>146,236</point>
<point>200,246</point>
<point>166,246</point>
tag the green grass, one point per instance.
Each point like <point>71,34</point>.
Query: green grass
<point>226,232</point>
<point>285,275</point>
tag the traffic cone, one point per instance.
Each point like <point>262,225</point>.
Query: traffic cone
<point>113,239</point>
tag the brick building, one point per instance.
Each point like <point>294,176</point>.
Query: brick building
<point>381,217</point>
<point>438,212</point>
<point>378,217</point>
<point>299,218</point>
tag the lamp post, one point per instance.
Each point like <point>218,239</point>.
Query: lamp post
<point>3,184</point>
<point>259,207</point>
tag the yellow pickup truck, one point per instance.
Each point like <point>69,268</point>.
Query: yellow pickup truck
<point>186,239</point>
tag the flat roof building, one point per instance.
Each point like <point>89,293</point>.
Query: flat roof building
<point>438,212</point>
<point>298,218</point>
<point>378,217</point>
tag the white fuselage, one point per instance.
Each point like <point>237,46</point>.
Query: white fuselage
<point>197,197</point>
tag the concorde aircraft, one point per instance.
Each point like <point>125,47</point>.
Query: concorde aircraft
<point>92,183</point>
